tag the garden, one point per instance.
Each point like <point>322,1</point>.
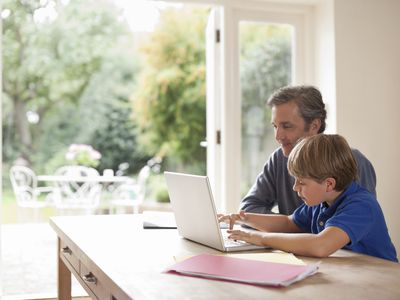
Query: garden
<point>78,78</point>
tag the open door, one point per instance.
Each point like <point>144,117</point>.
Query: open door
<point>213,83</point>
<point>249,54</point>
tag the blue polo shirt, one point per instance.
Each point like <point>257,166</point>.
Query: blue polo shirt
<point>357,212</point>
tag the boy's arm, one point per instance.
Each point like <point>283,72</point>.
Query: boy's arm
<point>318,245</point>
<point>269,223</point>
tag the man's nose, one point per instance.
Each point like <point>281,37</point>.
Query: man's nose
<point>279,134</point>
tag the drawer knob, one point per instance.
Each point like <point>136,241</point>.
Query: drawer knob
<point>90,278</point>
<point>66,250</point>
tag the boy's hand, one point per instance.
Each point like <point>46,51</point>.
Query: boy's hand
<point>255,238</point>
<point>232,218</point>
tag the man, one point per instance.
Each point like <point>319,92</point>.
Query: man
<point>297,112</point>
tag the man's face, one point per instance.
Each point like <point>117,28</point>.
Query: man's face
<point>289,126</point>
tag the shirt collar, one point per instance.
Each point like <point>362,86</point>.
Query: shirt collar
<point>351,188</point>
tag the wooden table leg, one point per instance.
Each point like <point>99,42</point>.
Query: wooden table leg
<point>63,277</point>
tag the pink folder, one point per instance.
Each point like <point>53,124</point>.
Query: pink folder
<point>242,270</point>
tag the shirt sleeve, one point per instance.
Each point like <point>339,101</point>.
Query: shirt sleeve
<point>262,196</point>
<point>302,217</point>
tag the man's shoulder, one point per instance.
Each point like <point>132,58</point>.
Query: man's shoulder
<point>277,154</point>
<point>361,158</point>
<point>277,159</point>
<point>358,154</point>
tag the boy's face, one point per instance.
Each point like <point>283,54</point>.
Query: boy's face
<point>310,191</point>
<point>289,126</point>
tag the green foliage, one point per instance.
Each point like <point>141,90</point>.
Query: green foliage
<point>266,59</point>
<point>169,103</point>
<point>117,141</point>
<point>102,118</point>
<point>70,69</point>
<point>156,189</point>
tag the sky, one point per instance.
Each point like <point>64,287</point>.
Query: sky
<point>141,15</point>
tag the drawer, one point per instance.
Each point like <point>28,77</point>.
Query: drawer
<point>70,256</point>
<point>93,283</point>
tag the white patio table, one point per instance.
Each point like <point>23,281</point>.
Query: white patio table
<point>100,178</point>
<point>81,190</point>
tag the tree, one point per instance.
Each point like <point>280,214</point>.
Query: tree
<point>264,71</point>
<point>265,66</point>
<point>51,51</point>
<point>169,103</point>
<point>266,59</point>
<point>102,118</point>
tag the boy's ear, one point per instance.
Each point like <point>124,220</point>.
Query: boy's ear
<point>330,184</point>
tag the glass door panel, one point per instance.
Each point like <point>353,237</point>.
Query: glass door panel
<point>266,63</point>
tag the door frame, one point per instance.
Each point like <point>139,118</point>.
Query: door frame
<point>301,18</point>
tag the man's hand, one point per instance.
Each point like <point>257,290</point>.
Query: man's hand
<point>232,218</point>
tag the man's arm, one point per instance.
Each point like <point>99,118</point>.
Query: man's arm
<point>261,198</point>
<point>274,186</point>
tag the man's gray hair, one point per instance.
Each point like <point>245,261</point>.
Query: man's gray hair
<point>308,100</point>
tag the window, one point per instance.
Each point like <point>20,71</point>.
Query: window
<point>265,64</point>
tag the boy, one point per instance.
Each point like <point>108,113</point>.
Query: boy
<point>336,213</point>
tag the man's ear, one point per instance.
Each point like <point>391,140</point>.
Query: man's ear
<point>330,184</point>
<point>315,126</point>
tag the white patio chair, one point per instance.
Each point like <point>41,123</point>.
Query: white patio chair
<point>130,195</point>
<point>27,193</point>
<point>75,194</point>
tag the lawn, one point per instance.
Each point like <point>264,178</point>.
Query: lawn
<point>10,213</point>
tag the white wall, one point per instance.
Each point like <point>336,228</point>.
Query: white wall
<point>325,68</point>
<point>357,68</point>
<point>366,71</point>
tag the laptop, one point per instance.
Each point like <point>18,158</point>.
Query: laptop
<point>195,214</point>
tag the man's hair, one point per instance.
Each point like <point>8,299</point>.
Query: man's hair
<point>321,156</point>
<point>308,100</point>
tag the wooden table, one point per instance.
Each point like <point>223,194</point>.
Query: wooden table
<point>113,257</point>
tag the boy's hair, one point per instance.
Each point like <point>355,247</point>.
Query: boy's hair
<point>308,100</point>
<point>321,156</point>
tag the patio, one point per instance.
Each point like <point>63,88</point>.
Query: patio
<point>29,262</point>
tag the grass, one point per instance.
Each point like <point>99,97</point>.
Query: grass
<point>8,207</point>
<point>10,213</point>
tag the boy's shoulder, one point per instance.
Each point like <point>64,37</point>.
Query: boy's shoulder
<point>355,193</point>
